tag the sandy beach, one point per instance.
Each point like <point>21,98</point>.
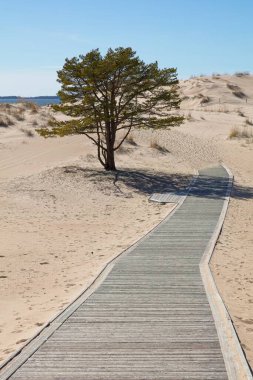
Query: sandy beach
<point>63,218</point>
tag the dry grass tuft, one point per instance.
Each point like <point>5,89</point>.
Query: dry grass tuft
<point>205,100</point>
<point>17,113</point>
<point>5,121</point>
<point>155,145</point>
<point>130,140</point>
<point>239,94</point>
<point>245,132</point>
<point>240,113</point>
<point>233,87</point>
<point>34,108</point>
<point>236,90</point>
<point>234,133</point>
<point>5,107</point>
<point>248,122</point>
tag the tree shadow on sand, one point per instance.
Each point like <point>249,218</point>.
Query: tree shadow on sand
<point>149,182</point>
<point>216,187</point>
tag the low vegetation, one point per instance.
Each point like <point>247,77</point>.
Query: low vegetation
<point>243,132</point>
<point>26,116</point>
<point>249,122</point>
<point>6,122</point>
<point>205,100</point>
<point>234,132</point>
<point>18,114</point>
<point>155,145</point>
<point>236,90</point>
<point>240,113</point>
<point>239,94</point>
<point>130,140</point>
<point>32,107</point>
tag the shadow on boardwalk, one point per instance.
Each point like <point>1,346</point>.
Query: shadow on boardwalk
<point>149,182</point>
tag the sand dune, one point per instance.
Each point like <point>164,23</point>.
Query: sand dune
<point>63,218</point>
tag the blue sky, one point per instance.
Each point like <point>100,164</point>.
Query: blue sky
<point>196,36</point>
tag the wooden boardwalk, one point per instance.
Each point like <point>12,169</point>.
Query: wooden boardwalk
<point>150,318</point>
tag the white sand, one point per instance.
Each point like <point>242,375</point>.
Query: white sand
<point>63,218</point>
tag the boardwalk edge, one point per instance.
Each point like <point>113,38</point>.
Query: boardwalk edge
<point>235,361</point>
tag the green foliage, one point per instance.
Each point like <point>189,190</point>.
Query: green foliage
<point>103,95</point>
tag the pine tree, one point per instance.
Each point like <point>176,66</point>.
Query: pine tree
<point>117,92</point>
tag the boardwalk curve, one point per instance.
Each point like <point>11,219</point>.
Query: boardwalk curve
<point>149,317</point>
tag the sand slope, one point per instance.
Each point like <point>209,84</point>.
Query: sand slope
<point>63,218</point>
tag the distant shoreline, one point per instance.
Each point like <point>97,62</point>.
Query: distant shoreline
<point>30,97</point>
<point>39,100</point>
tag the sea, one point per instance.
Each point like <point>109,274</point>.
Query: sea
<point>40,101</point>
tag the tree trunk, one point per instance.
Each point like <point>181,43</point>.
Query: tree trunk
<point>110,162</point>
